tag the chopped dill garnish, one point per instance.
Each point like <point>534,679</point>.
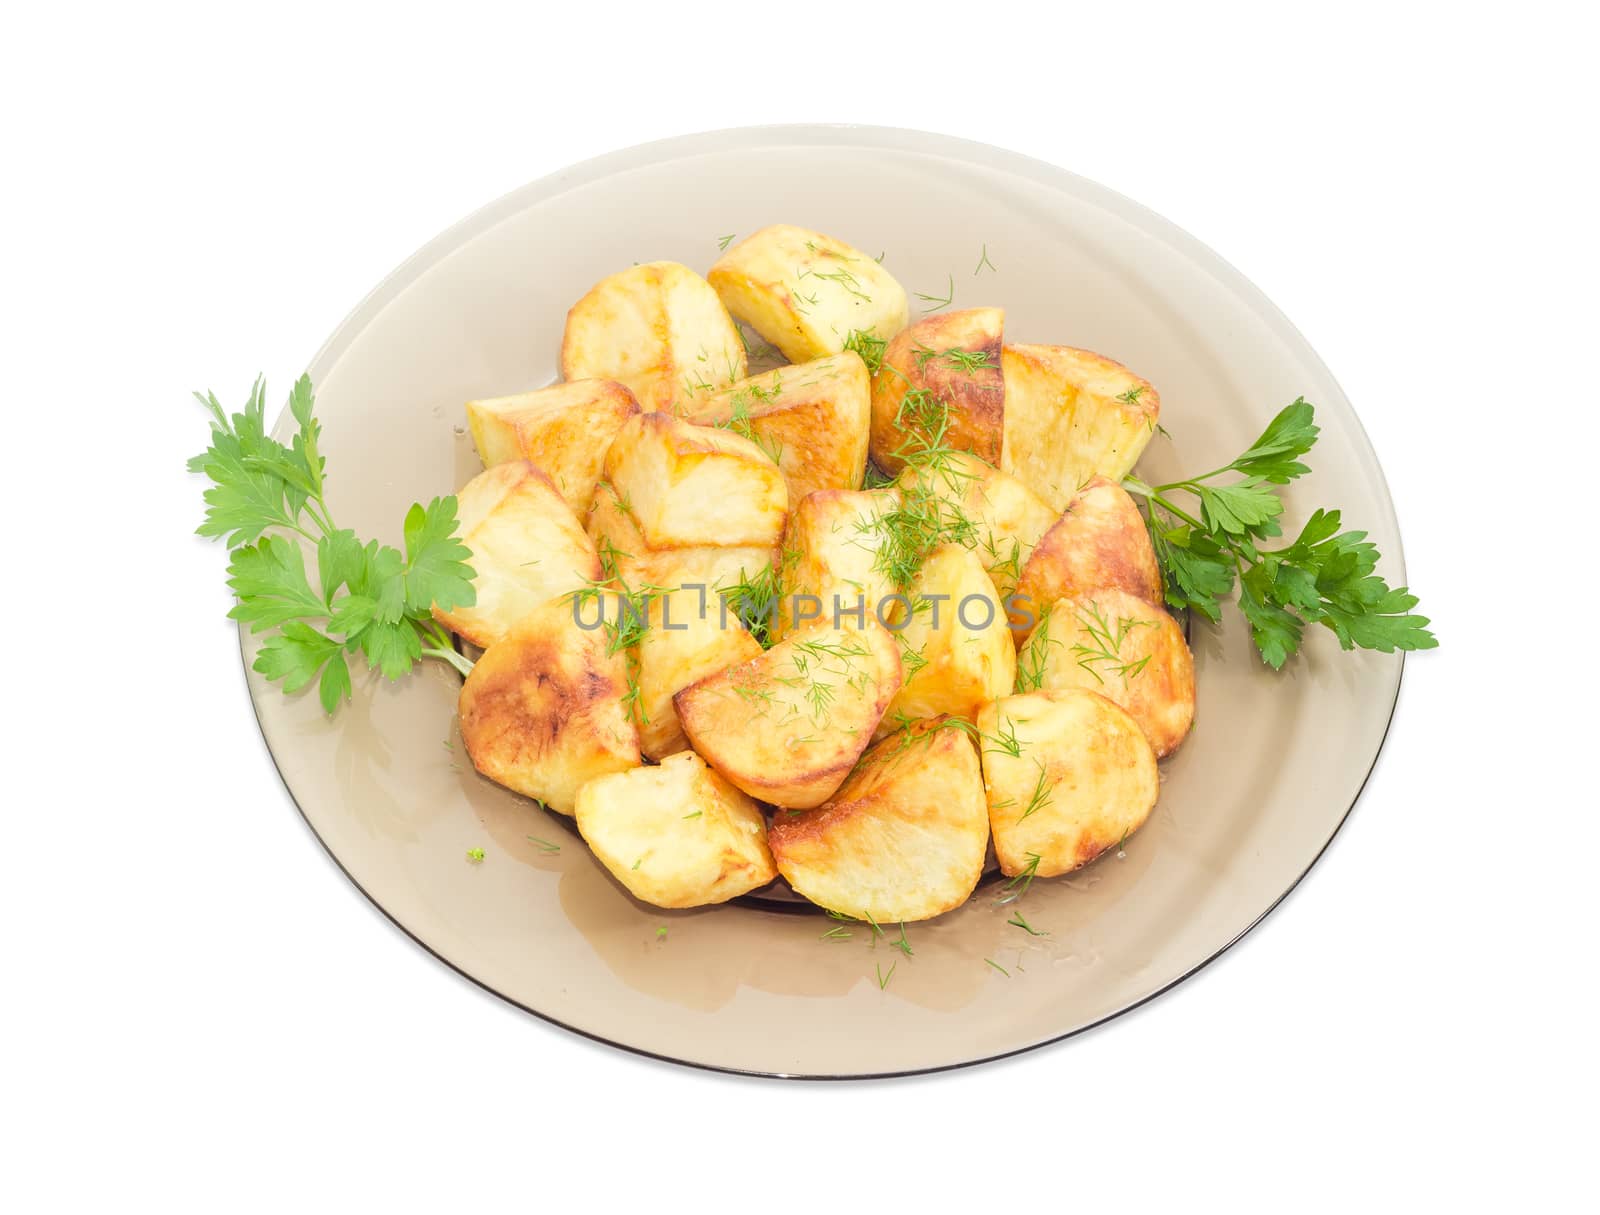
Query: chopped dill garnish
<point>1018,886</point>
<point>869,346</point>
<point>1104,647</point>
<point>1026,927</point>
<point>903,945</point>
<point>1041,793</point>
<point>934,302</point>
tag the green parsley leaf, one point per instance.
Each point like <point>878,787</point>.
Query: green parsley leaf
<point>1325,576</point>
<point>266,499</point>
<point>437,574</point>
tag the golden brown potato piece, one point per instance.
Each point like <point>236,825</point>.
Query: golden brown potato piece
<point>812,419</point>
<point>1129,651</point>
<point>563,430</point>
<point>690,485</point>
<point>542,711</point>
<point>1071,415</point>
<point>806,293</point>
<point>787,726</point>
<point>1007,517</point>
<point>689,634</point>
<point>944,369</point>
<point>677,835</point>
<point>830,549</point>
<point>527,549</point>
<point>903,839</point>
<point>658,328</point>
<point>1099,542</point>
<point>624,553</point>
<point>957,651</point>
<point>1068,775</point>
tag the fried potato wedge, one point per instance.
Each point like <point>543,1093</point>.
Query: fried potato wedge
<point>688,635</point>
<point>1099,542</point>
<point>787,726</point>
<point>812,419</point>
<point>542,711</point>
<point>1072,415</point>
<point>1007,517</point>
<point>1068,774</point>
<point>689,485</point>
<point>1131,652</point>
<point>563,430</point>
<point>624,554</point>
<point>940,380</point>
<point>904,837</point>
<point>677,835</point>
<point>957,651</point>
<point>527,549</point>
<point>830,558</point>
<point>806,293</point>
<point>659,329</point>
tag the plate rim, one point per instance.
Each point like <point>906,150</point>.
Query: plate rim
<point>835,134</point>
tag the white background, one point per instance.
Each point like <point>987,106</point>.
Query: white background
<point>201,1012</point>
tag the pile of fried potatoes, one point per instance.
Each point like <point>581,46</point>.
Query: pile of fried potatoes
<point>969,642</point>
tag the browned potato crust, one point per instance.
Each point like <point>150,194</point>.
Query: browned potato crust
<point>658,328</point>
<point>1099,541</point>
<point>805,292</point>
<point>953,357</point>
<point>1129,651</point>
<point>788,725</point>
<point>564,430</point>
<point>677,835</point>
<point>1007,517</point>
<point>688,636</point>
<point>617,540</point>
<point>957,650</point>
<point>1072,415</point>
<point>527,549</point>
<point>904,837</point>
<point>830,552</point>
<point>542,711</point>
<point>1079,777</point>
<point>688,486</point>
<point>811,418</point>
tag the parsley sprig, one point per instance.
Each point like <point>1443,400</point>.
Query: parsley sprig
<point>266,500</point>
<point>1213,541</point>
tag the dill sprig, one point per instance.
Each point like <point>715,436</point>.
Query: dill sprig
<point>1042,793</point>
<point>869,346</point>
<point>1018,921</point>
<point>1018,886</point>
<point>740,419</point>
<point>935,302</point>
<point>903,945</point>
<point>1033,660</point>
<point>1104,645</point>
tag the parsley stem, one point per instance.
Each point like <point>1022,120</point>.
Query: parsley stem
<point>1154,495</point>
<point>324,521</point>
<point>459,661</point>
